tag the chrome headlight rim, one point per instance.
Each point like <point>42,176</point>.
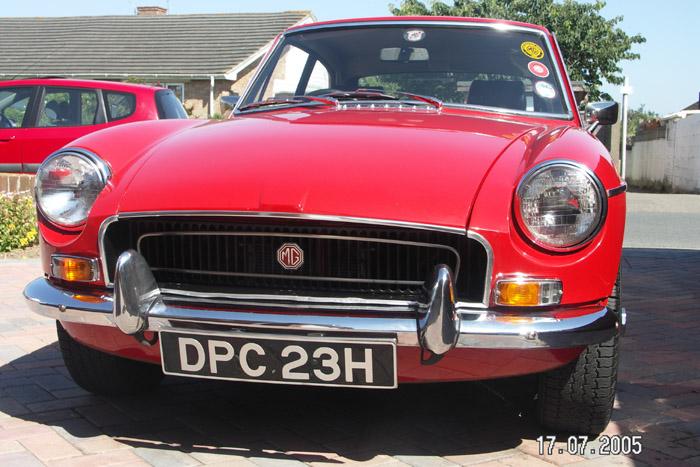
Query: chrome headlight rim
<point>592,177</point>
<point>102,169</point>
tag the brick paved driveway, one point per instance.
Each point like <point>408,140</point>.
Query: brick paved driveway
<point>46,419</point>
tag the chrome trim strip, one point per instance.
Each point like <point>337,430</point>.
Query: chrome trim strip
<point>489,265</point>
<point>292,298</point>
<point>278,301</point>
<point>100,247</point>
<point>618,190</point>
<point>271,305</point>
<point>569,115</point>
<point>267,215</point>
<point>300,277</point>
<point>291,277</point>
<point>297,216</point>
<point>488,330</point>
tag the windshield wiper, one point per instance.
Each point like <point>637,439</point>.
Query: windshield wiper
<point>434,101</point>
<point>294,100</point>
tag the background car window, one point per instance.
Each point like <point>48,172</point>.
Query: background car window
<point>14,103</point>
<point>119,104</point>
<point>68,107</point>
<point>168,105</point>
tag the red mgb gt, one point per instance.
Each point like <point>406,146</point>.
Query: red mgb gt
<point>394,200</point>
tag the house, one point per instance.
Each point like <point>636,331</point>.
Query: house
<point>201,57</point>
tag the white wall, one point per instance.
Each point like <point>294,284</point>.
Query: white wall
<point>673,161</point>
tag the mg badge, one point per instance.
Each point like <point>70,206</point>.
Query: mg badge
<point>290,256</point>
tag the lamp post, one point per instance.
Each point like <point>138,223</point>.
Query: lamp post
<point>626,91</point>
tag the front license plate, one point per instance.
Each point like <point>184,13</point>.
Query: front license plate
<point>280,359</point>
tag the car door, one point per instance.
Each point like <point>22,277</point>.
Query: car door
<point>63,114</point>
<point>16,104</point>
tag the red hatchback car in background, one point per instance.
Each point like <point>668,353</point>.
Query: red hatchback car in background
<point>39,116</point>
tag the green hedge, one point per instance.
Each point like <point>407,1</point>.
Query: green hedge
<point>17,222</point>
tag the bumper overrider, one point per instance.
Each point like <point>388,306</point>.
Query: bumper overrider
<point>137,305</point>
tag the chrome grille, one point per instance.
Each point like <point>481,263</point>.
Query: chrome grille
<point>238,255</point>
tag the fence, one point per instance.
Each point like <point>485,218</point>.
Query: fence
<point>667,158</point>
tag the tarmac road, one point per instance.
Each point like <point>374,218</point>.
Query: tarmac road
<point>663,221</point>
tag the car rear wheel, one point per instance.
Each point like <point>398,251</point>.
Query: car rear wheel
<point>579,397</point>
<point>105,374</point>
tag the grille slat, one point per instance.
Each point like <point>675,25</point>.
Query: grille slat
<point>339,259</point>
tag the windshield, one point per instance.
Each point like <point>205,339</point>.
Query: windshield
<point>483,67</point>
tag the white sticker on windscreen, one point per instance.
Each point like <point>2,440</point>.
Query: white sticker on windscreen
<point>545,90</point>
<point>414,35</point>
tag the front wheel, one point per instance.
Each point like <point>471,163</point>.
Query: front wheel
<point>105,374</point>
<point>579,397</point>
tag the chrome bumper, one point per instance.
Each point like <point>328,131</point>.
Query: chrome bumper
<point>137,305</point>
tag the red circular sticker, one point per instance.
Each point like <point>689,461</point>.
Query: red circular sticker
<point>538,69</point>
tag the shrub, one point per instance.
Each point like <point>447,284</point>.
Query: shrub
<point>17,222</point>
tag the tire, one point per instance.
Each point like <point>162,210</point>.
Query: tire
<point>578,398</point>
<point>104,374</point>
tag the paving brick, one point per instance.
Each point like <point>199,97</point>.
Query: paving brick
<point>19,459</point>
<point>165,457</point>
<point>49,446</point>
<point>121,458</point>
<point>9,445</point>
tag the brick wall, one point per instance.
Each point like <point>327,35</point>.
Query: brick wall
<point>15,183</point>
<point>197,93</point>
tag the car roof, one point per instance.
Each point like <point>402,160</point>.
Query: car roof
<point>445,19</point>
<point>81,83</point>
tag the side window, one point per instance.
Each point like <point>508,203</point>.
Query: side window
<point>14,103</point>
<point>319,78</point>
<point>68,107</point>
<point>287,73</point>
<point>119,104</point>
<point>168,105</point>
<point>88,108</point>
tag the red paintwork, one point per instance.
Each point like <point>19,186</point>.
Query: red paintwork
<point>33,145</point>
<point>456,365</point>
<point>456,168</point>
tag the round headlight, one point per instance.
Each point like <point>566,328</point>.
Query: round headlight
<point>67,184</point>
<point>560,205</point>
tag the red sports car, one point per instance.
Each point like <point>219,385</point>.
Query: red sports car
<point>394,200</point>
<point>39,116</point>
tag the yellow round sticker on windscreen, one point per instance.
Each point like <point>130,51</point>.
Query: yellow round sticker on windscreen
<point>532,50</point>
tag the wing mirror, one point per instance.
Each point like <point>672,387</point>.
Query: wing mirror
<point>601,113</point>
<point>230,101</point>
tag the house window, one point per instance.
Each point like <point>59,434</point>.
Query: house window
<point>178,89</point>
